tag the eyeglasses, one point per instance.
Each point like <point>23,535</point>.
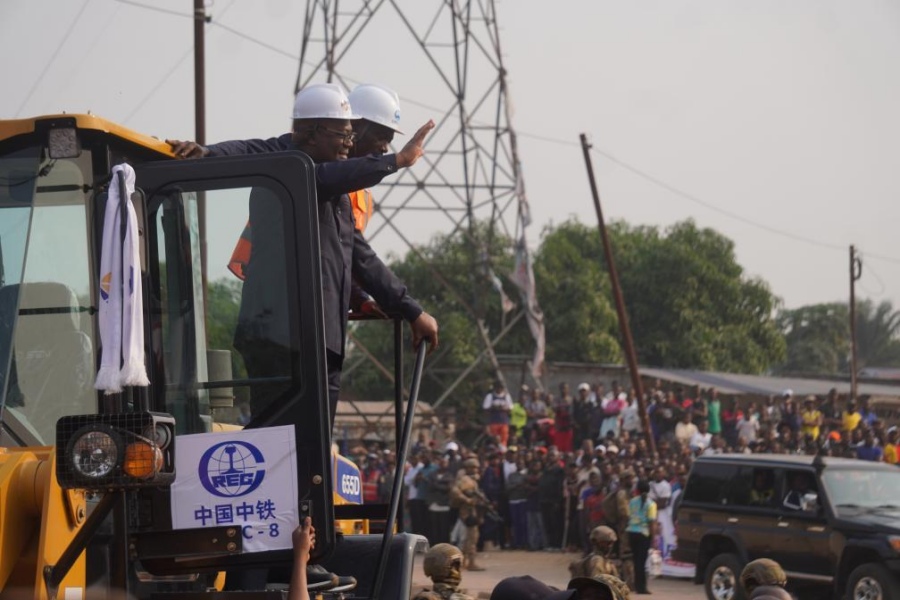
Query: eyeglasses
<point>345,137</point>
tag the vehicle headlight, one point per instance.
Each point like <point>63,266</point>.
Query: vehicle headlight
<point>94,452</point>
<point>894,541</point>
<point>115,451</point>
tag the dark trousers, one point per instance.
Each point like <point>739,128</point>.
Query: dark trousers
<point>640,548</point>
<point>418,514</point>
<point>552,514</point>
<point>518,516</point>
<point>440,526</point>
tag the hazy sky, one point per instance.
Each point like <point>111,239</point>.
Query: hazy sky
<point>778,122</point>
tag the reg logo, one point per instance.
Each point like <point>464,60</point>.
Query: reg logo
<point>232,469</point>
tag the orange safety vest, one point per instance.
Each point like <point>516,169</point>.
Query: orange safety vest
<point>360,201</point>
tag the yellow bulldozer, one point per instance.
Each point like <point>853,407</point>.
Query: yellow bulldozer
<point>146,490</point>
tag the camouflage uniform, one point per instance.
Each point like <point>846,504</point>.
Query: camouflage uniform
<point>442,564</point>
<point>762,572</point>
<point>597,562</point>
<point>615,585</point>
<point>617,518</point>
<point>465,494</point>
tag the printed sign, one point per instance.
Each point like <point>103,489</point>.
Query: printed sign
<point>243,478</point>
<point>348,485</point>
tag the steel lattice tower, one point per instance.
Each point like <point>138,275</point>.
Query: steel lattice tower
<point>472,172</point>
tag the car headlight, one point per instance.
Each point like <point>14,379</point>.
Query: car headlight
<point>894,541</point>
<point>115,451</point>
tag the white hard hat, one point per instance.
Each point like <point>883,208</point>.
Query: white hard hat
<point>323,101</point>
<point>377,104</point>
<point>451,446</point>
<point>584,386</point>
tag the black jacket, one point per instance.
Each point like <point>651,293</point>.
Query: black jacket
<point>345,254</point>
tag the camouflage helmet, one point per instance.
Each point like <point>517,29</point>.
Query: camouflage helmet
<point>762,571</point>
<point>471,463</point>
<point>616,586</point>
<point>603,534</point>
<point>443,563</point>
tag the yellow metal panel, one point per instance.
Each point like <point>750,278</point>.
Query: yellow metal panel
<point>14,127</point>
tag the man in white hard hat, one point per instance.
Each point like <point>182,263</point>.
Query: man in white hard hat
<point>323,128</point>
<point>378,109</point>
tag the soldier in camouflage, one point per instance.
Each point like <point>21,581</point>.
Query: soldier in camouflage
<point>616,508</point>
<point>600,587</point>
<point>597,562</point>
<point>443,564</point>
<point>466,496</point>
<point>764,578</point>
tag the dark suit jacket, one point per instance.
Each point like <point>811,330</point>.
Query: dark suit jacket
<point>345,254</point>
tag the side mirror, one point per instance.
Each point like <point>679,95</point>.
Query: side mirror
<point>810,502</point>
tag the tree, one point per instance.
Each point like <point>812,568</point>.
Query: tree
<point>689,303</point>
<point>817,337</point>
<point>441,277</point>
<point>223,303</point>
<point>877,335</point>
<point>574,293</point>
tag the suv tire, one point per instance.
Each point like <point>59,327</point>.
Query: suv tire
<point>872,581</point>
<point>722,579</point>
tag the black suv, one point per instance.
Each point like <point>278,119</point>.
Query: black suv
<point>827,521</point>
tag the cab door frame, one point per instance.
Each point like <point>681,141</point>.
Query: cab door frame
<point>291,175</point>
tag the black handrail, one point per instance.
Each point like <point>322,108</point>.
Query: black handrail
<point>403,450</point>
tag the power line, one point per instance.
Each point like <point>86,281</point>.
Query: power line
<point>156,8</point>
<point>627,166</point>
<point>255,40</point>
<point>678,192</point>
<point>177,64</point>
<point>53,58</point>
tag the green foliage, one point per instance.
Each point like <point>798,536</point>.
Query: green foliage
<point>223,303</point>
<point>574,293</point>
<point>818,339</point>
<point>441,277</point>
<point>877,333</point>
<point>689,303</point>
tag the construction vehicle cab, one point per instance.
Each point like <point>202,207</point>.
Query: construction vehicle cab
<point>81,513</point>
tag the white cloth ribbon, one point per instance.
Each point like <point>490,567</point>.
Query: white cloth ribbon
<point>121,300</point>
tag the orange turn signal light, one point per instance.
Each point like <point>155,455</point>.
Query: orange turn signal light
<point>143,460</point>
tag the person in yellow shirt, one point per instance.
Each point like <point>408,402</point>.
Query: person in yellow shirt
<point>890,447</point>
<point>851,417</point>
<point>811,418</point>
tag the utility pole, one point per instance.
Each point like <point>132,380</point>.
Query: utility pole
<point>620,301</point>
<point>855,274</point>
<point>200,20</point>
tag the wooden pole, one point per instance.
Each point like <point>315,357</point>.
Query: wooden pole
<point>627,342</point>
<point>855,274</point>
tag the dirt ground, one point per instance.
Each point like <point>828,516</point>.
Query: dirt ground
<point>552,569</point>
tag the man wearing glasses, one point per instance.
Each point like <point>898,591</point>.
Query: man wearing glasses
<point>349,152</point>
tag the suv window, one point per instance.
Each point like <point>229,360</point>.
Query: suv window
<point>798,485</point>
<point>708,482</point>
<point>753,487</point>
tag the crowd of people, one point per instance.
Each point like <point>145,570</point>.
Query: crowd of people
<point>555,467</point>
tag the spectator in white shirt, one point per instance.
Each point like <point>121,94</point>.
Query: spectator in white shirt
<point>748,428</point>
<point>685,429</point>
<point>660,489</point>
<point>702,439</point>
<point>631,418</point>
